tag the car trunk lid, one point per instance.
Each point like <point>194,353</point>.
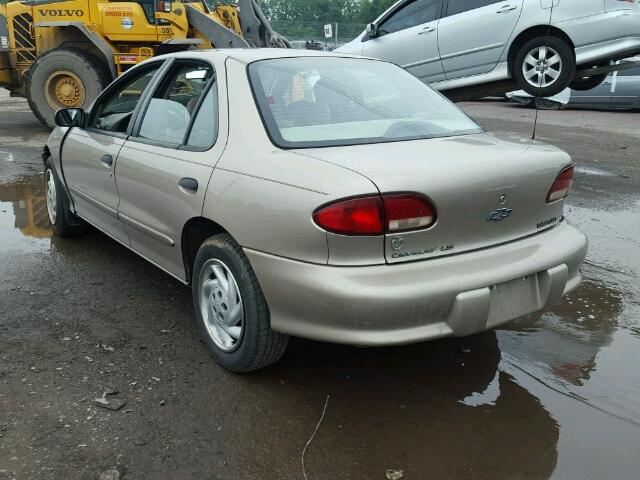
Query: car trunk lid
<point>487,189</point>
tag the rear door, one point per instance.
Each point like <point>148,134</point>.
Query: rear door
<point>472,34</point>
<point>165,166</point>
<point>90,155</point>
<point>408,37</point>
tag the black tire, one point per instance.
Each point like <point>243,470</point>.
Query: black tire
<point>92,73</point>
<point>583,84</point>
<point>567,71</point>
<point>65,224</point>
<point>258,345</point>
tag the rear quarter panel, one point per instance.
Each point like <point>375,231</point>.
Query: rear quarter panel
<point>265,197</point>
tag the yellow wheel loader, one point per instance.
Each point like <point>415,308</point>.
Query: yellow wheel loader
<point>61,54</point>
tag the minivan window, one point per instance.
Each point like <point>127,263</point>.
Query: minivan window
<point>169,112</point>
<point>459,6</point>
<point>313,102</point>
<point>415,13</point>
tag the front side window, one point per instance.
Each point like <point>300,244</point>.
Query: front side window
<point>411,15</point>
<point>170,111</point>
<point>459,6</point>
<point>113,113</point>
<point>313,102</point>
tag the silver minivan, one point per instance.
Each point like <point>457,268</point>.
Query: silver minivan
<point>538,43</point>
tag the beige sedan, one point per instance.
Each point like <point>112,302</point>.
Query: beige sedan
<point>317,195</point>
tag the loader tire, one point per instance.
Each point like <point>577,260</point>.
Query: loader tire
<point>64,78</point>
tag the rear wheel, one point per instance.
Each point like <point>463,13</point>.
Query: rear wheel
<point>64,78</point>
<point>544,66</point>
<point>231,309</point>
<point>583,84</point>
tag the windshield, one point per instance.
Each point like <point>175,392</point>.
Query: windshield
<point>331,101</point>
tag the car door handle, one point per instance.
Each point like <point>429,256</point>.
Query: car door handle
<point>507,8</point>
<point>427,30</point>
<point>188,185</point>
<point>107,160</point>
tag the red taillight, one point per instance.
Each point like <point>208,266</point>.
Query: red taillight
<point>356,216</point>
<point>562,186</point>
<point>376,215</point>
<point>407,212</point>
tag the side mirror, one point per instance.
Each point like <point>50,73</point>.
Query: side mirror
<point>372,30</point>
<point>71,117</point>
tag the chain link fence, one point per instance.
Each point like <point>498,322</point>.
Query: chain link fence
<point>317,36</point>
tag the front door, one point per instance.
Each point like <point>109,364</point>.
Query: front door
<point>165,166</point>
<point>90,155</point>
<point>408,37</point>
<point>88,160</point>
<point>474,33</point>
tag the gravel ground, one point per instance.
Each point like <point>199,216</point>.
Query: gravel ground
<point>83,318</point>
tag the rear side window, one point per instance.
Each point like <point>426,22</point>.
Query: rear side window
<point>459,6</point>
<point>205,126</point>
<point>172,109</point>
<point>330,101</point>
<point>411,15</point>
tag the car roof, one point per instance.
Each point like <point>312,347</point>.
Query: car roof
<point>248,55</point>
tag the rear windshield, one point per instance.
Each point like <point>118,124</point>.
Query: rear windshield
<point>332,101</point>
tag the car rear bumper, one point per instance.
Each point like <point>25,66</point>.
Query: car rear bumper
<point>404,303</point>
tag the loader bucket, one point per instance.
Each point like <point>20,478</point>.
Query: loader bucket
<point>219,35</point>
<point>256,29</point>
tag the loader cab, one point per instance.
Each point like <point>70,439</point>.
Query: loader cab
<point>149,8</point>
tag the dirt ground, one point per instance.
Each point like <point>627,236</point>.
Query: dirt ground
<point>556,399</point>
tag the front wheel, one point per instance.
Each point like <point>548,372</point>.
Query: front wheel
<point>57,207</point>
<point>231,309</point>
<point>544,66</point>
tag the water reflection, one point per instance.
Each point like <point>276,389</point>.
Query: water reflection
<point>395,408</point>
<point>566,340</point>
<point>24,223</point>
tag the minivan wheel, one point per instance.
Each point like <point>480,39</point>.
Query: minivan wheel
<point>584,84</point>
<point>57,207</point>
<point>231,310</point>
<point>544,66</point>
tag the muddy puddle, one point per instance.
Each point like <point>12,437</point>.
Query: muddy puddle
<point>24,223</point>
<point>551,397</point>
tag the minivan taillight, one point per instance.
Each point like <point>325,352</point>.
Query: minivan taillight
<point>376,215</point>
<point>562,186</point>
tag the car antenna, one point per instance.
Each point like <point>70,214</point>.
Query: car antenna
<point>535,121</point>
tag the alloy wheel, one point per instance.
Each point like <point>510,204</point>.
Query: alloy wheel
<point>221,305</point>
<point>542,67</point>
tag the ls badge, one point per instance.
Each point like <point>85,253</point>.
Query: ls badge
<point>499,214</point>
